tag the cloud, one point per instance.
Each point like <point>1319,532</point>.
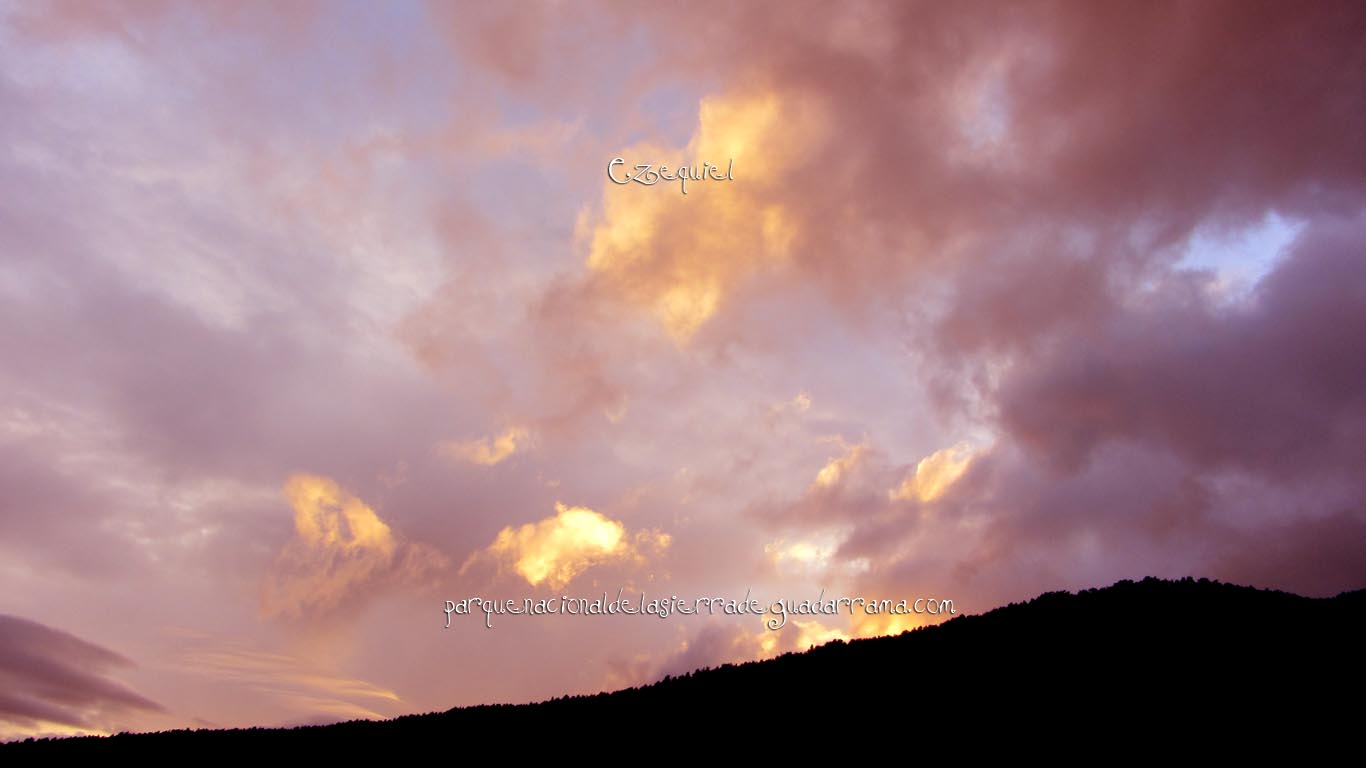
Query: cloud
<point>882,624</point>
<point>312,692</point>
<point>935,473</point>
<point>811,553</point>
<point>1268,385</point>
<point>837,469</point>
<point>556,550</point>
<point>681,258</point>
<point>1024,217</point>
<point>341,551</point>
<point>717,643</point>
<point>53,683</point>
<point>487,451</point>
<point>64,21</point>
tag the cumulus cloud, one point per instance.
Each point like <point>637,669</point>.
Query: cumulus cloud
<point>556,550</point>
<point>341,551</point>
<point>681,258</point>
<point>54,683</point>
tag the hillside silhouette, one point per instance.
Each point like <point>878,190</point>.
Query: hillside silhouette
<point>1141,659</point>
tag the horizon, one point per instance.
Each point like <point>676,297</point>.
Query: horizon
<point>1326,632</point>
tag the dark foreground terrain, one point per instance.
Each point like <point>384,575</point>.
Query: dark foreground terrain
<point>1151,665</point>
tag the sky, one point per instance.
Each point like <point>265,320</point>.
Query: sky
<point>316,315</point>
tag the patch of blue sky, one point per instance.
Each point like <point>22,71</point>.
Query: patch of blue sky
<point>1239,257</point>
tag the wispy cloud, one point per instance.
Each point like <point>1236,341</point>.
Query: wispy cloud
<point>311,691</point>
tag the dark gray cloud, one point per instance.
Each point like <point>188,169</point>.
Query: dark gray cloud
<point>52,678</point>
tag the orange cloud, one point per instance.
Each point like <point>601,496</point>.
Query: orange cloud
<point>889,624</point>
<point>802,555</point>
<point>680,256</point>
<point>838,468</point>
<point>935,474</point>
<point>487,451</point>
<point>719,643</point>
<point>554,551</point>
<point>341,548</point>
<point>801,636</point>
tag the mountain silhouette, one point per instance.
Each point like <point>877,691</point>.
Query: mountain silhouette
<point>1139,661</point>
